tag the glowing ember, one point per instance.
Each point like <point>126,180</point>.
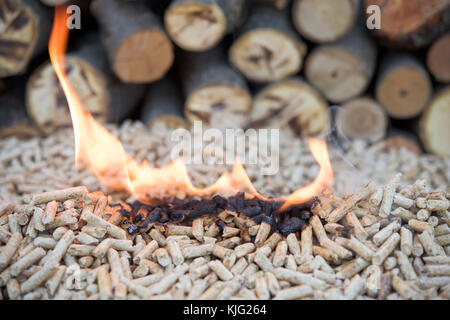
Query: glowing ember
<point>104,154</point>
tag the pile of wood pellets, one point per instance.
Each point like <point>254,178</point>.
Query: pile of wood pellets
<point>381,242</point>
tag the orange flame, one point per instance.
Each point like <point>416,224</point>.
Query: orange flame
<point>104,154</point>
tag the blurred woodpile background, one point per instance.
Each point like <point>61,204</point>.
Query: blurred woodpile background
<point>237,63</point>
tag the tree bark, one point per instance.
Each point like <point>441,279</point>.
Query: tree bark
<point>53,3</point>
<point>164,103</point>
<point>438,59</point>
<point>343,70</point>
<point>215,93</point>
<point>403,86</point>
<point>26,26</point>
<point>268,48</point>
<point>14,120</point>
<point>411,24</point>
<point>324,21</point>
<point>434,124</point>
<point>362,118</point>
<point>277,4</point>
<point>100,91</point>
<point>291,103</point>
<point>138,49</point>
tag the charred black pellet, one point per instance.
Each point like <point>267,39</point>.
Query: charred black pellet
<point>164,217</point>
<point>220,201</point>
<point>136,205</point>
<point>252,211</point>
<point>252,202</point>
<point>305,215</point>
<point>125,213</point>
<point>267,208</point>
<point>178,215</point>
<point>259,218</point>
<point>190,204</point>
<point>152,217</point>
<point>155,214</point>
<point>132,229</point>
<point>291,225</point>
<point>268,219</point>
<point>221,225</point>
<point>137,218</point>
<point>178,202</point>
<point>238,201</point>
<point>195,213</point>
<point>324,222</point>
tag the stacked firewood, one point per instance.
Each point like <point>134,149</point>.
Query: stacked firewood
<point>249,63</point>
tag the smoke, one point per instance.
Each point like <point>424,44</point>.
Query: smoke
<point>341,146</point>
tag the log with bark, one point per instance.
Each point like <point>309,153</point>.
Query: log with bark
<point>434,124</point>
<point>200,25</point>
<point>326,20</point>
<point>403,86</point>
<point>291,102</point>
<point>100,91</point>
<point>277,4</point>
<point>267,49</point>
<point>411,24</point>
<point>25,27</point>
<point>54,3</point>
<point>14,120</point>
<point>362,118</point>
<point>164,103</point>
<point>215,93</point>
<point>138,48</point>
<point>438,58</point>
<point>343,70</point>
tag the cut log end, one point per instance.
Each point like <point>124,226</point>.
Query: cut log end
<point>398,141</point>
<point>46,102</point>
<point>438,59</point>
<point>404,92</point>
<point>434,124</point>
<point>411,24</point>
<point>195,26</point>
<point>219,105</point>
<point>169,121</point>
<point>337,73</point>
<point>19,31</point>
<point>362,118</point>
<point>265,55</point>
<point>145,56</point>
<point>291,103</point>
<point>324,21</point>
